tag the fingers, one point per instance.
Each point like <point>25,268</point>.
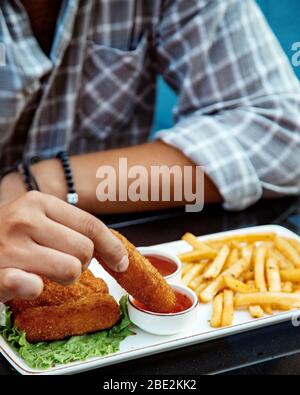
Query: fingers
<point>61,238</point>
<point>106,245</point>
<point>57,266</point>
<point>17,283</point>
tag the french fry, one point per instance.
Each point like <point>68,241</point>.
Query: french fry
<point>192,240</point>
<point>259,268</point>
<point>196,256</point>
<point>242,278</point>
<point>235,245</point>
<point>287,287</point>
<point>212,289</point>
<point>259,274</point>
<point>273,276</point>
<point>245,238</point>
<point>218,284</point>
<point>281,307</point>
<point>290,275</point>
<point>185,268</point>
<point>231,259</point>
<point>217,311</point>
<point>261,298</point>
<point>295,244</point>
<point>267,308</point>
<point>296,287</point>
<point>247,253</point>
<point>201,287</point>
<point>195,243</point>
<point>249,275</point>
<point>228,308</point>
<point>256,311</point>
<point>216,245</point>
<point>286,248</point>
<point>283,263</point>
<point>195,271</point>
<point>196,282</point>
<point>269,245</point>
<point>215,268</point>
<point>238,286</point>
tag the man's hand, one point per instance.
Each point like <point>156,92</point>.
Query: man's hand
<point>42,235</point>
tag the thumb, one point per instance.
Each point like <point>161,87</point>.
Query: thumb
<point>17,283</point>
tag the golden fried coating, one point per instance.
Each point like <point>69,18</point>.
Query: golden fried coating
<point>56,294</point>
<point>86,315</point>
<point>143,281</point>
<point>63,311</point>
<point>94,284</point>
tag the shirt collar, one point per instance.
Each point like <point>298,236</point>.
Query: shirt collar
<point>64,30</point>
<point>35,63</point>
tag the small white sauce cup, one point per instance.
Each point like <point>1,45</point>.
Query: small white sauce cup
<point>173,278</point>
<point>162,323</point>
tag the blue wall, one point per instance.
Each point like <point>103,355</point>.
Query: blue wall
<point>283,17</point>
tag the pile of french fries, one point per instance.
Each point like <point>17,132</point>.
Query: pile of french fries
<point>259,272</point>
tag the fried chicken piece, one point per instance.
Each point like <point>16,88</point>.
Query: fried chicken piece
<point>94,284</point>
<point>55,294</point>
<point>63,311</point>
<point>143,281</point>
<point>88,314</point>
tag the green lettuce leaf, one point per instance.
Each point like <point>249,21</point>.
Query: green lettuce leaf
<point>44,355</point>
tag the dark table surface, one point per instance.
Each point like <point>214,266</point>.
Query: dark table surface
<point>271,350</point>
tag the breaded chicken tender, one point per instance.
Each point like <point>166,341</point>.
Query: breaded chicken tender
<point>56,294</point>
<point>92,283</point>
<point>63,311</point>
<point>143,281</point>
<point>86,315</point>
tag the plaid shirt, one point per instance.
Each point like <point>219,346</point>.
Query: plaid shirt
<point>238,109</point>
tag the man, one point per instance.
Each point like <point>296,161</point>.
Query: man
<point>80,77</point>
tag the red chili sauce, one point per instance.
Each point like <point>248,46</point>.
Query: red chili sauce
<point>183,302</point>
<point>163,265</point>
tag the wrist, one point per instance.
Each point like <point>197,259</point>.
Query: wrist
<point>11,187</point>
<point>50,178</point>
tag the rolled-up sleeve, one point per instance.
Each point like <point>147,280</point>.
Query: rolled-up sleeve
<point>238,109</point>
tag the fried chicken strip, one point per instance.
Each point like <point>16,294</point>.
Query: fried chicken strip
<point>86,315</point>
<point>55,294</point>
<point>143,281</point>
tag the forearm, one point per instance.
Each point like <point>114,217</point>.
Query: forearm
<point>51,177</point>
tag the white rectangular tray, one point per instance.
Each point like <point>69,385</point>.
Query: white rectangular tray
<point>142,343</point>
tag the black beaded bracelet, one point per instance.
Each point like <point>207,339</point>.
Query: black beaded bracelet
<point>24,172</point>
<point>72,196</point>
<point>29,180</point>
<point>23,169</point>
